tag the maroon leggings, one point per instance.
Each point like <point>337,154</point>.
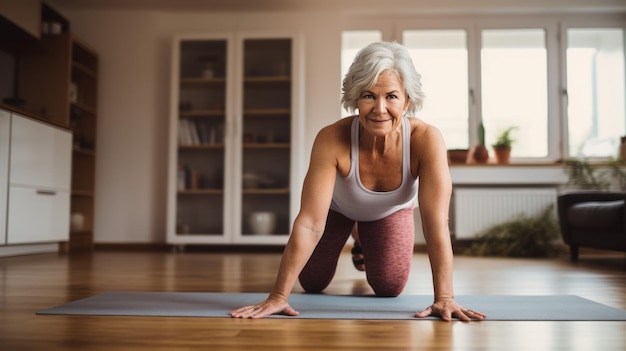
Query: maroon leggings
<point>387,247</point>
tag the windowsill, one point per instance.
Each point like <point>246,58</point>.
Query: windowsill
<point>509,174</point>
<point>490,164</point>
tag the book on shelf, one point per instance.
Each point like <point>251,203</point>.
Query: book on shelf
<point>184,137</point>
<point>192,133</point>
<point>189,178</point>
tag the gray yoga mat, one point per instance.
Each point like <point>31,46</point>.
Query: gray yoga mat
<point>310,306</point>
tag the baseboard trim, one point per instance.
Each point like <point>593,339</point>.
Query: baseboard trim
<point>133,247</point>
<point>28,249</point>
<point>163,247</point>
<point>459,248</point>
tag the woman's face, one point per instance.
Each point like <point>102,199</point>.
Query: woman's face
<point>381,107</point>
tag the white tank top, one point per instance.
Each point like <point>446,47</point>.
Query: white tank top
<point>356,202</point>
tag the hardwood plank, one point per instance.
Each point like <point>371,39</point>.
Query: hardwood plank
<point>29,283</point>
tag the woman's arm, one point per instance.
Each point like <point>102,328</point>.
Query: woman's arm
<point>309,224</point>
<point>435,190</point>
<point>434,195</point>
<point>307,229</point>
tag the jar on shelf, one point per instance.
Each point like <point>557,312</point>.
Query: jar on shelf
<point>209,69</point>
<point>262,222</point>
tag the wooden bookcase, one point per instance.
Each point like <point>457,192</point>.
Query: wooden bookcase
<point>83,93</point>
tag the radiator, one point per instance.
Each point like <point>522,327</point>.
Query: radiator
<point>476,209</point>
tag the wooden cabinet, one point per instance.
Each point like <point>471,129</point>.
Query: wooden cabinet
<point>39,182</point>
<point>235,121</point>
<point>26,14</point>
<point>59,82</point>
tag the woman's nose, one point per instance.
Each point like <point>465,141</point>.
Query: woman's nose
<point>381,106</point>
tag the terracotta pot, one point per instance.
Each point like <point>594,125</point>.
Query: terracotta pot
<point>457,155</point>
<point>503,156</point>
<point>480,154</point>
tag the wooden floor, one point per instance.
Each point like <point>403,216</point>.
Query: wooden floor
<point>29,283</point>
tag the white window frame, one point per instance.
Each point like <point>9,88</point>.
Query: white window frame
<point>552,35</point>
<point>473,80</point>
<point>606,21</point>
<point>554,25</point>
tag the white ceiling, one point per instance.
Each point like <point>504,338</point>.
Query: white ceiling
<point>353,6</point>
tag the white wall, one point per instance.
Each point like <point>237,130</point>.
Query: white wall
<point>134,52</point>
<point>134,49</point>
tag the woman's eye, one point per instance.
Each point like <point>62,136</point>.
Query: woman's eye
<point>392,96</point>
<point>368,96</point>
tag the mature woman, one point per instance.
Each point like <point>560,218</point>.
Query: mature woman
<point>364,169</point>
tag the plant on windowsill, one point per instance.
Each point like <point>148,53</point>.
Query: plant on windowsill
<point>479,153</point>
<point>502,146</point>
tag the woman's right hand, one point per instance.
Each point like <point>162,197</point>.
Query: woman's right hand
<point>275,303</point>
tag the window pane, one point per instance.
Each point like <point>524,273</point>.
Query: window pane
<point>440,56</point>
<point>351,42</point>
<point>514,88</point>
<point>595,87</point>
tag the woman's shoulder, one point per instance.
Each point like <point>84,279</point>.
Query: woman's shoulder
<point>343,122</point>
<point>422,131</point>
<point>419,126</point>
<point>333,142</point>
<point>337,129</point>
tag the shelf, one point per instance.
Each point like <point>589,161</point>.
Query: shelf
<point>217,146</point>
<point>267,79</point>
<point>202,80</point>
<point>261,191</point>
<point>266,145</point>
<point>85,70</point>
<point>201,192</point>
<point>202,113</point>
<point>267,111</point>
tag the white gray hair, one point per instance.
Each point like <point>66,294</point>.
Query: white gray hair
<point>370,62</point>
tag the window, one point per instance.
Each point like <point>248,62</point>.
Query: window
<point>440,56</point>
<point>559,81</point>
<point>351,43</point>
<point>514,88</point>
<point>595,94</point>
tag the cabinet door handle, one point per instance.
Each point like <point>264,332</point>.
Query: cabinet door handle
<point>46,192</point>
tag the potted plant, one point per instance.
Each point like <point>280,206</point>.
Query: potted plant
<point>480,154</point>
<point>584,175</point>
<point>524,236</point>
<point>502,146</point>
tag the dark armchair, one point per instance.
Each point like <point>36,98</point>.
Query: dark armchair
<point>592,219</point>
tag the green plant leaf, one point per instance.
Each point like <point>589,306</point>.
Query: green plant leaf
<point>521,237</point>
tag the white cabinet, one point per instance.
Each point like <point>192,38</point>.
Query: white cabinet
<point>235,137</point>
<point>5,133</point>
<point>39,155</point>
<point>39,182</point>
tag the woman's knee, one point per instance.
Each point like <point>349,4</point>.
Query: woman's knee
<point>313,284</point>
<point>387,287</point>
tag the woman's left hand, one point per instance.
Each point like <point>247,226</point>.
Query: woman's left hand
<point>448,309</point>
